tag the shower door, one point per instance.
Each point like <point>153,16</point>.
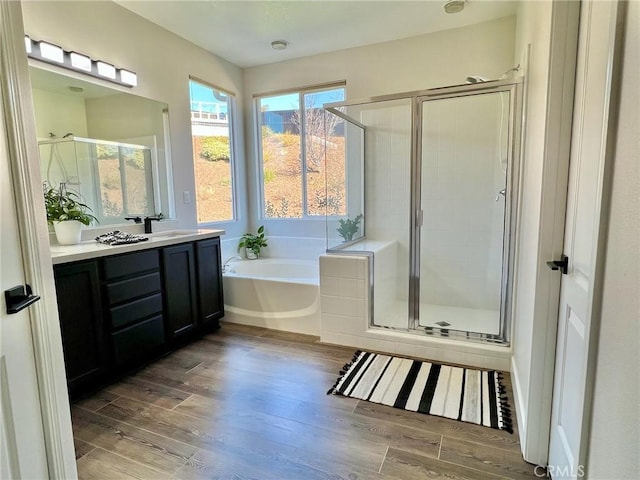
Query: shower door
<point>462,196</point>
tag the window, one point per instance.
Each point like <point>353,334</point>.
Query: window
<point>211,114</point>
<point>296,137</point>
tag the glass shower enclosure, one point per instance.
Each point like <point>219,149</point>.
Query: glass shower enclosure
<point>439,181</point>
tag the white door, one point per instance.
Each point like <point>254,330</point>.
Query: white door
<point>21,428</point>
<point>572,388</point>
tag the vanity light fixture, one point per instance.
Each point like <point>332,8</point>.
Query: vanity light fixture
<point>130,78</point>
<point>51,52</point>
<point>106,69</point>
<point>78,62</point>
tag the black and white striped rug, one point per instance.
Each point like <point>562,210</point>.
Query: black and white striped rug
<point>474,396</point>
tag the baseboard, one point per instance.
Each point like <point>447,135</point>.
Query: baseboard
<point>520,410</point>
<point>307,325</point>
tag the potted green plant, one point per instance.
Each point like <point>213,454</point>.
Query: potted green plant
<point>67,213</point>
<point>348,227</point>
<point>253,243</point>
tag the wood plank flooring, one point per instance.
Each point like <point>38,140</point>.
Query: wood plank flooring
<point>251,403</point>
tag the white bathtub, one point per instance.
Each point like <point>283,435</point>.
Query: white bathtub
<point>276,293</point>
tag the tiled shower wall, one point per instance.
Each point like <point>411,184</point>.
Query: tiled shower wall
<point>463,168</point>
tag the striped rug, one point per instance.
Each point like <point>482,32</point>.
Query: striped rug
<point>464,394</point>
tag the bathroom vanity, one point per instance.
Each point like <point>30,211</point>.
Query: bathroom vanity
<point>123,306</point>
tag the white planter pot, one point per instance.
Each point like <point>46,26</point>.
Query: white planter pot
<point>250,254</point>
<point>68,232</point>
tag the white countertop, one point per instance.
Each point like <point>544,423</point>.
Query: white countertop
<point>92,249</point>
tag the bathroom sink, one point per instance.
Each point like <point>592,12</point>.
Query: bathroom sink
<point>173,233</point>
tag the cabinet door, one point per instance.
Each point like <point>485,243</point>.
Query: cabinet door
<point>180,289</point>
<point>210,299</point>
<point>81,323</point>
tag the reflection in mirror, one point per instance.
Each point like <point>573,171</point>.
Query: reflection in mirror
<point>115,179</point>
<point>109,146</point>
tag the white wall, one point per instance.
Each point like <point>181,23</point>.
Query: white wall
<point>615,430</point>
<point>417,63</point>
<point>124,116</point>
<point>163,62</point>
<point>58,114</point>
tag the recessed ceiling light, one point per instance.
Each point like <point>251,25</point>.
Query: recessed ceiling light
<point>454,6</point>
<point>279,44</point>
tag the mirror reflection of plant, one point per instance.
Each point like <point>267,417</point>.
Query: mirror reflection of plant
<point>62,204</point>
<point>349,227</point>
<point>253,242</point>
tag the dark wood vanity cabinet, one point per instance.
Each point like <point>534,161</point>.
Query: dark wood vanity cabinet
<point>180,289</point>
<point>133,288</point>
<point>81,323</point>
<point>210,297</point>
<point>119,312</point>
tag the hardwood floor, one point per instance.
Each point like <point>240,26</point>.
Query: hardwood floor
<point>251,403</point>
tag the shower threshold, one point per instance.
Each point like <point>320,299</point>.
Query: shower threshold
<point>473,320</point>
<point>444,319</point>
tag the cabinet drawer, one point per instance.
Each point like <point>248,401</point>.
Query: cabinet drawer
<point>131,263</point>
<point>137,310</point>
<point>138,342</point>
<point>133,287</point>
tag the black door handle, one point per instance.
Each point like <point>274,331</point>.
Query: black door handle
<point>562,264</point>
<point>18,298</point>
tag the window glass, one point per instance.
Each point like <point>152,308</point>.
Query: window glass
<point>324,146</point>
<point>296,136</point>
<point>211,133</point>
<point>280,153</point>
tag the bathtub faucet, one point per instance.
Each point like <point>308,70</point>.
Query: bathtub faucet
<point>228,260</point>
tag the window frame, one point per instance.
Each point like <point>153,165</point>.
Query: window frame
<point>233,168</point>
<point>301,92</point>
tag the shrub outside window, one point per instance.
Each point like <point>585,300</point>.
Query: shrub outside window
<point>297,139</point>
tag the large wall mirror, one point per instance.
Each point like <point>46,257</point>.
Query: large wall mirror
<point>110,146</point>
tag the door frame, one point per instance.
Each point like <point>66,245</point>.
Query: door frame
<point>534,411</point>
<point>34,239</point>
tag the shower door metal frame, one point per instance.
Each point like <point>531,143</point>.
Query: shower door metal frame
<point>511,200</point>
<point>514,86</point>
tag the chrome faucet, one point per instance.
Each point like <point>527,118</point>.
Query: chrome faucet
<point>228,260</point>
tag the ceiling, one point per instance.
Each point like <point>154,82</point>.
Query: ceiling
<point>241,31</point>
